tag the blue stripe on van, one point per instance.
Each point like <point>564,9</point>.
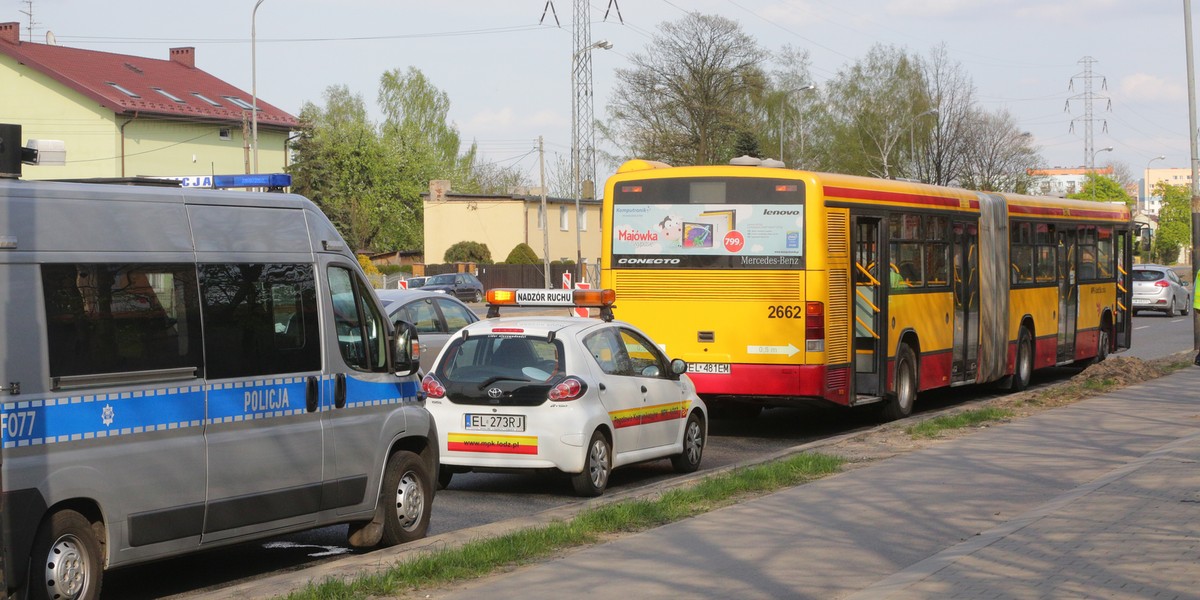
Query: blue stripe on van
<point>95,416</point>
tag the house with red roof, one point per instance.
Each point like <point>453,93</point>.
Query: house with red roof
<point>130,116</point>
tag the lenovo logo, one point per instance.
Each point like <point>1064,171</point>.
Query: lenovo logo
<point>769,212</point>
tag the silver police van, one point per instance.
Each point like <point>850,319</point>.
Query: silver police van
<point>183,369</point>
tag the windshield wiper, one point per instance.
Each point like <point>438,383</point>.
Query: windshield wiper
<point>492,380</point>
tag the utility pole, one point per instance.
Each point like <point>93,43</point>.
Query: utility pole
<point>544,218</point>
<point>1089,154</point>
<point>1191,81</point>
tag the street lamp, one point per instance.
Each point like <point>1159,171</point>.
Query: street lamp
<point>254,85</point>
<point>1096,177</point>
<point>603,45</point>
<point>800,120</point>
<point>1146,180</point>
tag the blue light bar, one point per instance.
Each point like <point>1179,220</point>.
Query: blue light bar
<point>265,180</point>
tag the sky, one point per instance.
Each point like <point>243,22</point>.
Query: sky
<point>505,64</point>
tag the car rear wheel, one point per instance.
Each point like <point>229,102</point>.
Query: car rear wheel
<point>693,445</point>
<point>597,466</point>
<point>478,297</point>
<point>1171,307</point>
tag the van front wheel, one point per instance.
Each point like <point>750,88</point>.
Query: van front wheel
<point>66,561</point>
<point>407,498</point>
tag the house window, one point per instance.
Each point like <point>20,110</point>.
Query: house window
<point>239,102</point>
<point>225,134</point>
<point>564,218</point>
<point>169,95</point>
<point>207,99</point>
<point>118,87</point>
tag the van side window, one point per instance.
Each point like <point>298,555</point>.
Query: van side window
<point>260,319</point>
<point>116,318</point>
<point>362,336</point>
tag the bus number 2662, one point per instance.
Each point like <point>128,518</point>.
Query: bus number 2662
<point>785,312</point>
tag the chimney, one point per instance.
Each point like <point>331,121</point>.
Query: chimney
<point>10,32</point>
<point>184,56</point>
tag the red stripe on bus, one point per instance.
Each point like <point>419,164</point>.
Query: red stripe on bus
<point>907,198</point>
<point>1058,211</point>
<point>764,380</point>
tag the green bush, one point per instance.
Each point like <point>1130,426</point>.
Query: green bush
<point>522,254</point>
<point>468,252</point>
<point>393,269</point>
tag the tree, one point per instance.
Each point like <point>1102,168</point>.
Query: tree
<point>1174,221</point>
<point>939,156</point>
<point>688,96</point>
<point>344,167</point>
<point>466,251</point>
<point>871,107</point>
<point>998,154</point>
<point>1099,188</point>
<point>522,254</point>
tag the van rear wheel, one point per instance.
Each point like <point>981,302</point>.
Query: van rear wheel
<point>66,561</point>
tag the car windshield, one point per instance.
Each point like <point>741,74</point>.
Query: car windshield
<point>488,358</point>
<point>447,279</point>
<point>1146,275</point>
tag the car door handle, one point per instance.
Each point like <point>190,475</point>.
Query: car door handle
<point>644,390</point>
<point>603,387</point>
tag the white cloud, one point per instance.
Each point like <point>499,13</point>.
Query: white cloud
<point>1144,87</point>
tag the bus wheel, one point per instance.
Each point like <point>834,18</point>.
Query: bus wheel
<point>899,404</point>
<point>66,560</point>
<point>1023,370</point>
<point>407,499</point>
<point>1102,347</point>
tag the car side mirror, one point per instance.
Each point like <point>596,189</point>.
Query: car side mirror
<point>679,366</point>
<point>406,348</point>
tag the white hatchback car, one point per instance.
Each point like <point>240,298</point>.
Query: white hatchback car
<point>577,395</point>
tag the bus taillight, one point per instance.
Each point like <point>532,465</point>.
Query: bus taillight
<point>814,327</point>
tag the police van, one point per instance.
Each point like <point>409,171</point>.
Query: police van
<point>183,369</point>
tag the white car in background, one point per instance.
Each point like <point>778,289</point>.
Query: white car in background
<point>576,395</point>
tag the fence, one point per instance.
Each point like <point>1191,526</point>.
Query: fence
<point>498,275</point>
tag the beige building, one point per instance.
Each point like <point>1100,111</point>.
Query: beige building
<point>126,116</point>
<point>503,222</point>
<point>1152,204</point>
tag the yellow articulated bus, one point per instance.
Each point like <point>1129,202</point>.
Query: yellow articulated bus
<point>780,287</point>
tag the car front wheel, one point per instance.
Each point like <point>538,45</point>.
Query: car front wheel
<point>66,561</point>
<point>407,498</point>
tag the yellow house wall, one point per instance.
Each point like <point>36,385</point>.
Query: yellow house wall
<point>47,109</point>
<point>502,224</point>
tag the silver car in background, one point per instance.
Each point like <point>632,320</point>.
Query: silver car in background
<point>1157,287</point>
<point>436,316</point>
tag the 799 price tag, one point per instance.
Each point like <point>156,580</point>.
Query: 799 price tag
<point>734,241</point>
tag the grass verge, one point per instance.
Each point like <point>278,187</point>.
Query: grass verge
<point>485,556</point>
<point>931,428</point>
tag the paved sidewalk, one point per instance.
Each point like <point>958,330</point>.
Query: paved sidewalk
<point>1100,499</point>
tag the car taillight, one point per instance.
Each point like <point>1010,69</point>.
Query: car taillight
<point>1162,283</point>
<point>433,387</point>
<point>570,388</point>
<point>814,327</point>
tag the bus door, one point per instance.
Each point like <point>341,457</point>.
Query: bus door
<point>1122,326</point>
<point>965,255</point>
<point>869,273</point>
<point>1068,298</point>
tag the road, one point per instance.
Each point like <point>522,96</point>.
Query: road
<point>475,499</point>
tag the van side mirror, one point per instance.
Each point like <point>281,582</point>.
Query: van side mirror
<point>406,348</point>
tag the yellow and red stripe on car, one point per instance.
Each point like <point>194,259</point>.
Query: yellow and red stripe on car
<point>492,443</point>
<point>650,414</point>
